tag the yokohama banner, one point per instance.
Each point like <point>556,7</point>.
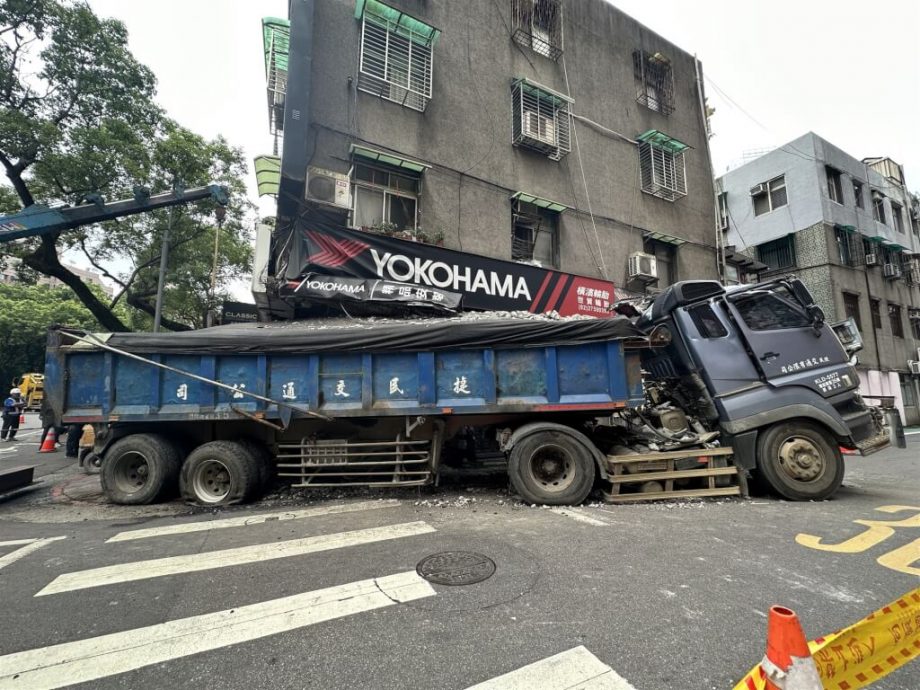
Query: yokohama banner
<point>484,283</point>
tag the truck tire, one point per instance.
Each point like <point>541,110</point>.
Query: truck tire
<point>551,468</point>
<point>220,473</point>
<point>799,461</point>
<point>265,461</point>
<point>139,469</point>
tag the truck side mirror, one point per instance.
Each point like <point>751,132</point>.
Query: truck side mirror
<point>801,292</point>
<point>816,314</point>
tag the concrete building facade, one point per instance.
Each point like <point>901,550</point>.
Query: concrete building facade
<point>550,131</point>
<point>849,228</point>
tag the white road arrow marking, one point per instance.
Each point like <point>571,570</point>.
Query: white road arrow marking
<point>82,661</point>
<point>175,565</point>
<point>29,546</point>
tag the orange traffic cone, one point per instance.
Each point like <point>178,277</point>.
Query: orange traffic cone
<point>48,443</point>
<point>788,664</point>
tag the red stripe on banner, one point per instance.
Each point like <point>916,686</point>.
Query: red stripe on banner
<point>553,298</point>
<point>543,285</point>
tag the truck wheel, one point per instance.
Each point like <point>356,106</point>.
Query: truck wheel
<point>219,473</point>
<point>138,469</point>
<point>799,461</point>
<point>264,459</point>
<point>551,468</point>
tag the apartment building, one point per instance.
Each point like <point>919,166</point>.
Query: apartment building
<point>553,132</point>
<point>849,228</point>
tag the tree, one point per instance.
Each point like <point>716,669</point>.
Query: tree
<point>26,312</point>
<point>77,117</point>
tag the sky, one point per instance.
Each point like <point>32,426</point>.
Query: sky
<point>849,71</point>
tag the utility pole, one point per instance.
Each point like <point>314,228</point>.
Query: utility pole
<point>164,259</point>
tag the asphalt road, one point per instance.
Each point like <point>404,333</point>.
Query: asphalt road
<point>668,595</point>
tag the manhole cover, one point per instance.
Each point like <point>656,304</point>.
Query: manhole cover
<point>456,568</point>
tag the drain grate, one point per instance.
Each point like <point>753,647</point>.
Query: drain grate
<point>456,568</point>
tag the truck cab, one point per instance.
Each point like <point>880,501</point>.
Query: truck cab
<point>759,363</point>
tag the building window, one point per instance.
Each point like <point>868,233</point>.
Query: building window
<point>396,55</point>
<point>834,184</point>
<point>778,253</point>
<point>665,255</point>
<point>847,246</point>
<point>540,119</point>
<point>907,390</point>
<point>383,197</point>
<point>851,308</point>
<point>768,196</point>
<point>894,318</point>
<point>878,206</point>
<point>661,165</point>
<point>915,326</point>
<point>723,211</point>
<point>732,275</point>
<point>534,234</point>
<point>654,81</point>
<point>537,24</point>
<point>858,194</point>
<point>897,220</point>
<point>875,309</point>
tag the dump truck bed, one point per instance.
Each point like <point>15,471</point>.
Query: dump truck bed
<point>361,368</point>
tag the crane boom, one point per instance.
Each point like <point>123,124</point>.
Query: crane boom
<point>39,219</point>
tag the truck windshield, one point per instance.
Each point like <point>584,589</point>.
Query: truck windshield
<point>771,310</point>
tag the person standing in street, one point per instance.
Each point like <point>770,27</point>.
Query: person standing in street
<point>12,409</point>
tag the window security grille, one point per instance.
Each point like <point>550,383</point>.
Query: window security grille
<point>778,253</point>
<point>537,24</point>
<point>396,57</point>
<point>662,171</point>
<point>654,81</point>
<point>540,119</point>
<point>533,235</point>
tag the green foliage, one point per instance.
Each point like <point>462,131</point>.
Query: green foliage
<point>77,116</point>
<point>26,312</point>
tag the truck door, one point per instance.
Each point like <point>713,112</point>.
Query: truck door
<point>784,342</point>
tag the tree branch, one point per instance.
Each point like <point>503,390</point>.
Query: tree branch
<point>136,302</point>
<point>45,260</point>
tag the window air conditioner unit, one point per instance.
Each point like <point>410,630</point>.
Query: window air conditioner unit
<point>892,271</point>
<point>328,187</point>
<point>539,127</point>
<point>643,266</point>
<point>914,367</point>
<point>872,259</point>
<point>759,189</point>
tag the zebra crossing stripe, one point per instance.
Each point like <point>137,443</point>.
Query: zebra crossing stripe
<point>576,668</point>
<point>86,660</point>
<point>206,526</point>
<point>580,517</point>
<point>175,565</point>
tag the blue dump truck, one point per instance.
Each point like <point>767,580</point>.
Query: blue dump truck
<point>704,388</point>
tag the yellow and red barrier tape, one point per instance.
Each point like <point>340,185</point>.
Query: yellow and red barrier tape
<point>864,652</point>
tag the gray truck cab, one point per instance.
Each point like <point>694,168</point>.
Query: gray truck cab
<point>759,363</point>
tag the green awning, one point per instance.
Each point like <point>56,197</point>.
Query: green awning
<point>662,140</point>
<point>388,158</point>
<point>525,198</point>
<point>542,92</point>
<point>893,245</point>
<point>276,40</point>
<point>403,24</point>
<point>664,237</point>
<point>846,228</point>
<point>268,174</point>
